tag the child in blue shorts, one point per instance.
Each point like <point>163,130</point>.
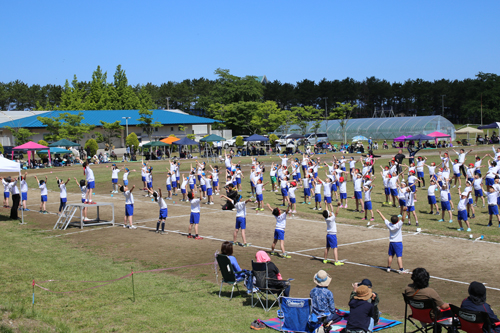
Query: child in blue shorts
<point>163,211</point>
<point>258,193</point>
<point>445,202</point>
<point>194,217</point>
<point>24,193</point>
<point>331,236</point>
<point>62,194</point>
<point>307,189</point>
<point>43,194</point>
<point>83,188</point>
<point>129,206</point>
<point>183,188</point>
<point>284,190</point>
<point>241,219</point>
<point>395,240</point>
<point>343,192</point>
<point>431,196</point>
<point>292,206</point>
<point>317,193</point>
<point>462,210</point>
<point>279,231</point>
<point>492,205</point>
<point>368,202</point>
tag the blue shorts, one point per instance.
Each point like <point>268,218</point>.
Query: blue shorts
<point>413,188</point>
<point>91,185</point>
<point>431,199</point>
<point>420,174</point>
<point>174,184</point>
<point>394,192</point>
<point>493,209</point>
<point>24,195</point>
<point>457,175</point>
<point>307,192</point>
<point>387,191</point>
<point>191,186</point>
<point>143,178</point>
<point>396,248</point>
<point>298,176</point>
<point>234,183</point>
<point>252,185</point>
<point>209,191</point>
<point>293,200</point>
<point>462,214</point>
<point>64,200</point>
<point>6,195</point>
<point>284,192</point>
<point>216,183</point>
<point>315,175</point>
<point>478,193</point>
<point>368,205</point>
<point>279,234</point>
<point>449,196</point>
<point>490,181</point>
<point>328,199</point>
<point>125,182</point>
<point>358,195</point>
<point>44,198</point>
<point>343,195</point>
<point>178,178</point>
<point>402,202</point>
<point>343,168</point>
<point>471,201</point>
<point>498,201</point>
<point>183,190</point>
<point>440,183</point>
<point>317,197</point>
<point>331,241</point>
<point>204,188</point>
<point>410,208</point>
<point>445,205</point>
<point>238,180</point>
<point>114,180</point>
<point>260,197</point>
<point>129,210</point>
<point>83,201</point>
<point>163,214</point>
<point>295,177</point>
<point>169,188</point>
<point>150,185</point>
<point>334,187</point>
<point>199,177</point>
<point>241,223</point>
<point>261,179</point>
<point>194,218</point>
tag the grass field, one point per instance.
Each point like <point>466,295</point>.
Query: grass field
<point>187,299</point>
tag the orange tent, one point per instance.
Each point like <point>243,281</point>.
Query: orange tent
<point>170,139</point>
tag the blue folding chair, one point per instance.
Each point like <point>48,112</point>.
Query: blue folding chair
<point>294,314</point>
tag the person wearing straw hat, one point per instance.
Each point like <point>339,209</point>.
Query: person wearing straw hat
<point>374,299</point>
<point>361,311</point>
<point>323,304</point>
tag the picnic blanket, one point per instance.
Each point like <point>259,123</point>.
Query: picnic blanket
<point>383,323</point>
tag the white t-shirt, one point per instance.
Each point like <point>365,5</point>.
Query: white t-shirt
<point>24,186</point>
<point>343,187</point>
<point>331,226</point>
<point>395,234</point>
<point>125,175</point>
<point>89,174</point>
<point>327,190</point>
<point>195,205</point>
<point>13,188</point>
<point>368,195</point>
<point>410,196</point>
<point>129,198</point>
<point>62,191</point>
<point>477,183</point>
<point>83,189</point>
<point>241,209</point>
<point>258,188</point>
<point>462,204</point>
<point>317,188</point>
<point>444,195</point>
<point>492,197</point>
<point>430,190</point>
<point>306,182</point>
<point>291,192</point>
<point>393,183</point>
<point>432,170</point>
<point>281,221</point>
<point>43,189</point>
<point>456,167</point>
<point>162,203</point>
<point>168,181</point>
<point>357,184</point>
<point>420,166</point>
<point>183,184</point>
<point>352,164</point>
<point>114,173</point>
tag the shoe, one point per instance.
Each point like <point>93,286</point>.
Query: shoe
<point>384,203</point>
<point>473,216</point>
<point>489,224</point>
<point>362,211</point>
<point>157,231</point>
<point>389,203</point>
<point>262,209</point>
<point>45,212</point>
<point>436,213</point>
<point>257,208</point>
<point>372,219</point>
<point>460,229</point>
<point>190,236</point>
<point>257,324</point>
<point>246,245</point>
<point>403,271</point>
<point>469,229</point>
<point>341,206</point>
<point>273,253</point>
<point>416,223</point>
<point>41,211</point>
<point>286,256</point>
<point>132,227</point>
<point>309,203</point>
<point>441,220</point>
<point>303,203</point>
<point>454,186</point>
<point>294,211</point>
<point>211,203</point>
<point>326,261</point>
<point>409,222</point>
<point>345,206</point>
<point>26,210</point>
<point>450,221</point>
<point>364,218</point>
<point>125,226</point>
<point>388,270</point>
<point>314,208</point>
<point>356,211</point>
<point>338,263</point>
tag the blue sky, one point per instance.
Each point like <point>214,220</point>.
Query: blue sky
<point>157,41</point>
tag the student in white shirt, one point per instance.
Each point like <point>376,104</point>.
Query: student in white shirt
<point>129,206</point>
<point>343,192</point>
<point>331,236</point>
<point>368,201</point>
<point>114,178</point>
<point>194,218</point>
<point>62,194</point>
<point>431,197</point>
<point>462,210</point>
<point>183,188</point>
<point>168,185</point>
<point>89,176</point>
<point>259,195</point>
<point>493,195</point>
<point>420,170</point>
<point>445,202</point>
<point>6,194</point>
<point>358,195</point>
<point>241,219</point>
<point>284,190</point>
<point>327,192</point>
<point>395,240</point>
<point>125,177</point>
<point>292,205</point>
<point>24,192</point>
<point>215,179</point>
<point>279,231</point>
<point>43,193</point>
<point>352,165</point>
<point>410,205</point>
<point>478,188</point>
<point>83,189</point>
<point>163,210</point>
<point>317,193</point>
<point>306,183</point>
<point>456,173</point>
<point>386,178</point>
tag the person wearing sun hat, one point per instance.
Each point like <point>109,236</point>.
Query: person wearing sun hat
<point>361,311</point>
<point>374,299</point>
<point>323,304</point>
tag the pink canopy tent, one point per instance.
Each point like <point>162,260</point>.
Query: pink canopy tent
<point>439,135</point>
<point>401,138</point>
<point>31,146</point>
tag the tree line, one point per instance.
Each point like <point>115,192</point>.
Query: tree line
<point>234,100</point>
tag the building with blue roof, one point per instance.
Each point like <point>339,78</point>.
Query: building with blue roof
<point>171,121</point>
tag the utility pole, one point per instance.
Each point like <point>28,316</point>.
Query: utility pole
<point>168,104</point>
<point>481,109</point>
<point>126,122</point>
<point>326,107</point>
<point>442,105</point>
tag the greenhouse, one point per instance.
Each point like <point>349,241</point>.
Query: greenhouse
<point>381,128</point>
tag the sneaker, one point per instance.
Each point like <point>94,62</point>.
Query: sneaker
<point>125,226</point>
<point>303,203</point>
<point>26,210</point>
<point>473,216</point>
<point>246,245</point>
<point>416,223</point>
<point>489,224</point>
<point>404,271</point>
<point>454,186</point>
<point>450,221</point>
<point>257,324</point>
<point>362,211</point>
<point>309,203</point>
<point>314,208</point>
<point>409,222</point>
<point>294,211</point>
<point>190,236</point>
<point>389,203</point>
<point>388,270</point>
<point>326,261</point>
<point>441,220</point>
<point>372,219</point>
<point>469,229</point>
<point>460,229</point>
<point>157,231</point>
<point>338,263</point>
<point>364,218</point>
<point>257,208</point>
<point>273,253</point>
<point>132,227</point>
<point>341,206</point>
<point>45,212</point>
<point>345,206</point>
<point>384,203</point>
<point>41,211</point>
<point>262,209</point>
<point>286,256</point>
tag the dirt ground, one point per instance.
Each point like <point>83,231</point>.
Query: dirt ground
<point>452,262</point>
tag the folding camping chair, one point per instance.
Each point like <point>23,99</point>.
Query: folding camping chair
<point>264,292</point>
<point>472,321</point>
<point>228,275</point>
<point>294,314</point>
<point>421,311</point>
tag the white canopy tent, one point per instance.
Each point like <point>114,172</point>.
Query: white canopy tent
<point>7,165</point>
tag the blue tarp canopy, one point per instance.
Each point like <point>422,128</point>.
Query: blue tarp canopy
<point>492,125</point>
<point>419,137</point>
<point>55,150</point>
<point>185,142</point>
<point>212,138</point>
<point>256,137</point>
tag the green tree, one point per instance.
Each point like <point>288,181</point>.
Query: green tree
<point>21,135</point>
<point>66,126</point>
<point>110,131</point>
<point>273,138</point>
<point>1,148</point>
<point>132,141</point>
<point>91,146</point>
<point>259,121</point>
<point>239,141</point>
<point>283,120</point>
<point>230,88</point>
<point>72,96</point>
<point>43,143</point>
<point>147,122</point>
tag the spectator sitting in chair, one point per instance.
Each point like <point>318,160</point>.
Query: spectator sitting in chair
<point>273,273</point>
<point>374,299</point>
<point>361,311</point>
<point>420,290</point>
<point>323,305</point>
<point>477,302</point>
<point>227,249</point>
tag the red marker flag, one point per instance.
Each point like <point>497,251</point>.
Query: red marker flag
<point>33,284</point>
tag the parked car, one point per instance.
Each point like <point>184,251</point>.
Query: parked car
<point>231,142</point>
<point>18,154</point>
<point>313,138</point>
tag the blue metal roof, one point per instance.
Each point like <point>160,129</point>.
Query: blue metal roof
<point>110,116</point>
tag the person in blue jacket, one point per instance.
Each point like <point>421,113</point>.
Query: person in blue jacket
<point>477,302</point>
